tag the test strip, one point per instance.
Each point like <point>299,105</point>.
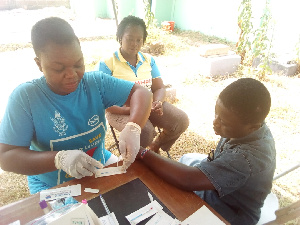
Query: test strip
<point>109,171</point>
<point>144,212</point>
<point>91,190</point>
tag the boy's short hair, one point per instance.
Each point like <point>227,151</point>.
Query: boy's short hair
<point>134,21</point>
<point>52,29</point>
<point>249,98</point>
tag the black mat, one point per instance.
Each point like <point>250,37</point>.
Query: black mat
<point>125,200</point>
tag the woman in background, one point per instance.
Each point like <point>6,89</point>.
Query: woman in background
<point>130,64</point>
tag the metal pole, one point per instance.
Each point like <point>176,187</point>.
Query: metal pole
<point>287,171</point>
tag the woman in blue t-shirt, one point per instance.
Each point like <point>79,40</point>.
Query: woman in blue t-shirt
<point>54,127</point>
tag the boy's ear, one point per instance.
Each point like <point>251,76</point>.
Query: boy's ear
<point>38,63</point>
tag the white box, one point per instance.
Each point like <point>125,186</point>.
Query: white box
<point>219,65</point>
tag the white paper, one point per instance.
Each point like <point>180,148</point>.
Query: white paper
<point>15,223</point>
<point>63,192</point>
<point>160,218</point>
<point>203,216</point>
<point>110,171</point>
<point>109,219</point>
<point>176,222</point>
<point>91,190</point>
<point>82,214</point>
<point>150,197</point>
<point>144,212</point>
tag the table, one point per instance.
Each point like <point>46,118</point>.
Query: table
<point>181,203</point>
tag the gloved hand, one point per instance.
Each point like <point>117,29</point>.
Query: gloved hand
<point>76,163</point>
<point>129,143</point>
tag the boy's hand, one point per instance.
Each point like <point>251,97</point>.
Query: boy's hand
<point>129,142</point>
<point>76,163</point>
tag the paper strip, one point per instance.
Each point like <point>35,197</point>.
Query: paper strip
<point>161,218</point>
<point>144,212</point>
<point>107,220</point>
<point>150,197</point>
<point>109,171</point>
<point>91,190</point>
<point>63,192</point>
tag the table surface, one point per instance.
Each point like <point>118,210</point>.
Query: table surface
<point>181,203</point>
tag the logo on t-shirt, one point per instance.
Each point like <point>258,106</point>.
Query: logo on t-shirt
<point>94,121</point>
<point>146,83</point>
<point>60,125</point>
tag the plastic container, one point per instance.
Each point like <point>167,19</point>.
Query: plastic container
<point>44,206</point>
<point>168,25</point>
<point>172,25</point>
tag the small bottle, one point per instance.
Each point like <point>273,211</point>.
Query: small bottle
<point>44,206</point>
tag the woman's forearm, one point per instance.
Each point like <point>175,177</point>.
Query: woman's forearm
<point>159,95</point>
<point>125,110</point>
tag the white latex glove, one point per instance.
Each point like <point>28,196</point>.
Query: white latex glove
<point>76,163</point>
<point>129,143</point>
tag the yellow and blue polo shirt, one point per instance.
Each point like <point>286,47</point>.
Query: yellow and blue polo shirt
<point>145,70</point>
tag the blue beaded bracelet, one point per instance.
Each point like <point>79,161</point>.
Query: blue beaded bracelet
<point>143,153</point>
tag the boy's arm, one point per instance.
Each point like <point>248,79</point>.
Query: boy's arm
<point>182,176</point>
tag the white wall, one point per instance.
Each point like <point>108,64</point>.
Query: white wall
<point>214,17</point>
<point>287,28</point>
<point>219,18</point>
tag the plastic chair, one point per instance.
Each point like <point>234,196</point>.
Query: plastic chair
<point>116,144</point>
<point>168,153</point>
<point>286,214</point>
<point>270,212</point>
<point>271,204</point>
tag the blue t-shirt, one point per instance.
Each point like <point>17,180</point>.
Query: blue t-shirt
<point>45,121</point>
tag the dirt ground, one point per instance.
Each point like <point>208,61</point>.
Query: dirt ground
<point>196,95</point>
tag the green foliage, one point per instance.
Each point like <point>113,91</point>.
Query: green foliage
<point>246,27</point>
<point>262,44</point>
<point>149,16</point>
<point>255,43</point>
<point>298,51</point>
<point>297,59</point>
